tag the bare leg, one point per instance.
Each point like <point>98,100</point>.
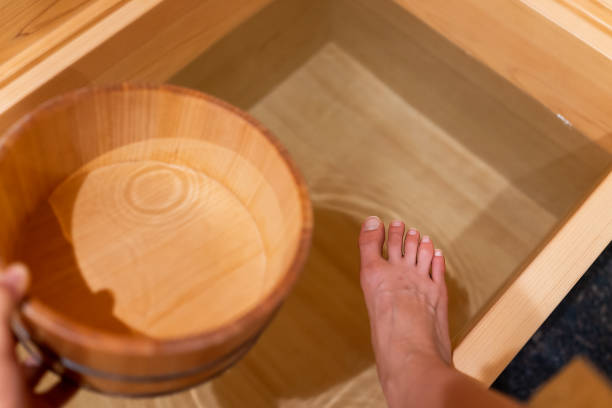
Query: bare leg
<point>408,308</point>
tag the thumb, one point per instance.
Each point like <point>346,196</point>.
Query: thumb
<point>13,285</point>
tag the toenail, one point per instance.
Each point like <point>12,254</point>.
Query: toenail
<point>438,252</point>
<point>372,223</point>
<point>412,231</point>
<point>426,239</point>
<point>396,223</point>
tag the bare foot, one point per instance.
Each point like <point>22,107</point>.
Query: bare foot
<point>407,304</point>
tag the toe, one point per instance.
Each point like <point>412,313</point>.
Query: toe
<point>371,239</point>
<point>438,268</point>
<point>411,245</point>
<point>396,239</point>
<point>424,255</point>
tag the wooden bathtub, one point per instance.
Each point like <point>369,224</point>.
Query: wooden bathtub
<point>487,126</point>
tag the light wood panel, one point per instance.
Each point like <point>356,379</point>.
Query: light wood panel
<point>588,20</point>
<point>531,148</point>
<point>554,269</point>
<point>33,28</point>
<point>260,53</point>
<point>147,40</point>
<point>565,74</point>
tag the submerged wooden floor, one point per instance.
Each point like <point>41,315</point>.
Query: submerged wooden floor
<point>364,151</point>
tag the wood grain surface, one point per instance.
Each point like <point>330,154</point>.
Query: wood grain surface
<point>146,279</point>
<point>588,20</point>
<point>32,29</point>
<point>569,76</point>
<point>146,40</point>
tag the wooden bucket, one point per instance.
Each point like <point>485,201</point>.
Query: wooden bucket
<point>163,228</point>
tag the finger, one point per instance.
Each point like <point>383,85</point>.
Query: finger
<point>15,279</point>
<point>13,284</point>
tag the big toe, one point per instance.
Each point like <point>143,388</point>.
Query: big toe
<point>371,240</point>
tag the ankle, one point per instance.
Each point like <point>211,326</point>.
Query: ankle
<point>415,372</point>
<point>422,372</point>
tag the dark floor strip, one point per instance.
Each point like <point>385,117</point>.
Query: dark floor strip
<point>580,325</point>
